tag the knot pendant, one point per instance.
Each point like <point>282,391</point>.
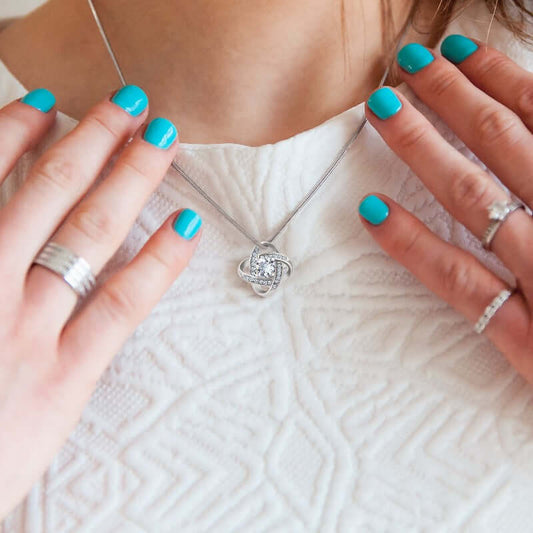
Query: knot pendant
<point>265,268</point>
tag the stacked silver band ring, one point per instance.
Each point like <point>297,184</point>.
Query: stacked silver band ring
<point>491,309</point>
<point>71,267</point>
<point>498,213</point>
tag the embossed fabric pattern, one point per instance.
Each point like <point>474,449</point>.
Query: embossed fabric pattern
<point>352,400</point>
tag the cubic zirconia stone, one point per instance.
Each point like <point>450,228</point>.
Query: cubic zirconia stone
<point>498,210</point>
<point>265,267</point>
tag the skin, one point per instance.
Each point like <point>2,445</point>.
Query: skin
<point>42,392</point>
<point>232,76</point>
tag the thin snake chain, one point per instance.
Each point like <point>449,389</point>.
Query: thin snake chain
<point>266,268</point>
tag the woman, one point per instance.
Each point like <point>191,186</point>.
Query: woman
<point>351,399</point>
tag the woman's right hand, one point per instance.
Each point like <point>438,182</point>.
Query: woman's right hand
<point>51,358</point>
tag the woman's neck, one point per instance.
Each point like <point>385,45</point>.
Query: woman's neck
<point>249,72</point>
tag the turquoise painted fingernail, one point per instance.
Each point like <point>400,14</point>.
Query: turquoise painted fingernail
<point>41,99</point>
<point>132,99</point>
<point>457,48</point>
<point>414,57</point>
<point>384,103</point>
<point>187,224</point>
<point>160,132</point>
<point>374,210</point>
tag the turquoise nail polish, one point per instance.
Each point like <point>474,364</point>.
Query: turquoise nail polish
<point>374,210</point>
<point>160,132</point>
<point>384,103</point>
<point>414,57</point>
<point>41,99</point>
<point>187,224</point>
<point>457,48</point>
<point>132,99</point>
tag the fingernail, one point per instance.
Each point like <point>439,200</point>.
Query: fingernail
<point>457,48</point>
<point>132,99</point>
<point>414,57</point>
<point>384,103</point>
<point>160,132</point>
<point>374,210</point>
<point>187,224</point>
<point>41,99</point>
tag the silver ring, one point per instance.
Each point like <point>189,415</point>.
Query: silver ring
<point>491,309</point>
<point>71,267</point>
<point>498,213</point>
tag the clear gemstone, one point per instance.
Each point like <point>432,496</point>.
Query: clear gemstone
<point>264,267</point>
<point>498,210</point>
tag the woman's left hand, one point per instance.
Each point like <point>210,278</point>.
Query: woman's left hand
<point>487,100</point>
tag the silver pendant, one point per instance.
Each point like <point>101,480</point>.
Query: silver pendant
<point>266,268</point>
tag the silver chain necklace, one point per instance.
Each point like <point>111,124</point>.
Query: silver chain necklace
<point>266,267</point>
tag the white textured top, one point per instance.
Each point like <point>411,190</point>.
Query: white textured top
<point>352,400</point>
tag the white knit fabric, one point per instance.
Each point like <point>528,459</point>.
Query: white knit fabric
<point>352,400</point>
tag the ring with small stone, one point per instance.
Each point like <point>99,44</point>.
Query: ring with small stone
<point>498,213</point>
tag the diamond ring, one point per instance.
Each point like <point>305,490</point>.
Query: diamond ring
<point>498,213</point>
<point>491,309</point>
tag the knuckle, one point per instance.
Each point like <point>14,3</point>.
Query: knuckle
<point>457,277</point>
<point>410,137</point>
<point>524,102</point>
<point>442,81</point>
<point>19,129</point>
<point>104,123</point>
<point>469,190</point>
<point>491,66</point>
<point>92,221</point>
<point>117,301</point>
<point>161,261</point>
<point>137,171</point>
<point>411,243</point>
<point>496,125</point>
<point>166,261</point>
<point>406,242</point>
<point>57,171</point>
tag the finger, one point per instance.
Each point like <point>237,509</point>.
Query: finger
<point>63,174</point>
<point>96,227</point>
<point>494,73</point>
<point>22,125</point>
<point>458,183</point>
<point>451,273</point>
<point>490,129</point>
<point>127,297</point>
